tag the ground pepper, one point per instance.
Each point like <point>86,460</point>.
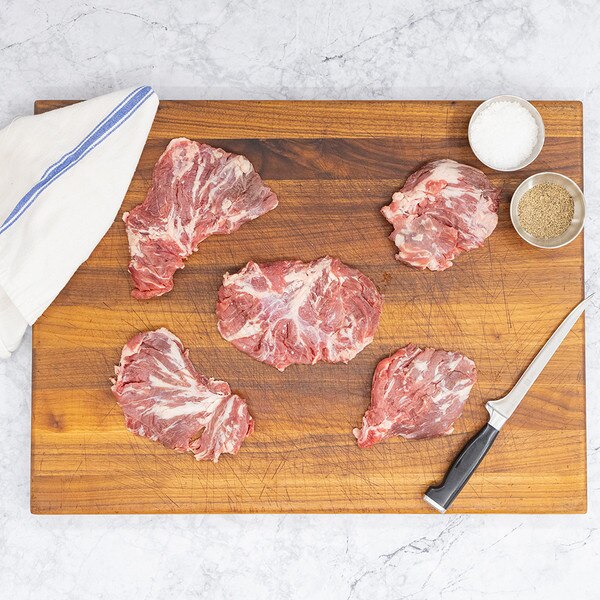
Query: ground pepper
<point>546,210</point>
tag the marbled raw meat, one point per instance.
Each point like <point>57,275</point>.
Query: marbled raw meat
<point>444,208</point>
<point>197,191</point>
<point>416,394</point>
<point>291,312</point>
<point>165,399</point>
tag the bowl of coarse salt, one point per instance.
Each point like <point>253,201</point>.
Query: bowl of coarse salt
<point>506,133</point>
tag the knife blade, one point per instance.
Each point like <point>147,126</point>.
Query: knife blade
<point>442,496</point>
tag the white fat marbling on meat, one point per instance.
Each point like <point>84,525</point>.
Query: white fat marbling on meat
<point>303,312</point>
<point>183,163</point>
<point>243,165</point>
<point>165,399</point>
<point>197,191</point>
<point>416,394</point>
<point>445,208</point>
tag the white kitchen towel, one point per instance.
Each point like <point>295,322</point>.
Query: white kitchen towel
<point>63,176</point>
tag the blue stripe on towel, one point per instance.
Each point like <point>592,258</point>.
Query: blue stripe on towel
<point>89,135</point>
<point>119,115</point>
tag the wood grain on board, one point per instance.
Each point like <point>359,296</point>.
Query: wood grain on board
<point>333,165</point>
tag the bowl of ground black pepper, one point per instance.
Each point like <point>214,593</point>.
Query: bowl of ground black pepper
<point>548,210</point>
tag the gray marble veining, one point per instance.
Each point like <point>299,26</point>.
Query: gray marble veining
<point>295,50</point>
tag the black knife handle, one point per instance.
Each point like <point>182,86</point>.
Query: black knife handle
<point>441,496</point>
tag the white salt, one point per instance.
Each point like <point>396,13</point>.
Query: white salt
<point>504,134</point>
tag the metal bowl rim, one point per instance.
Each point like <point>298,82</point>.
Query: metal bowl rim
<point>514,217</point>
<point>539,120</point>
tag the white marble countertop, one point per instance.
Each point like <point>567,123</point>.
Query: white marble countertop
<point>293,50</point>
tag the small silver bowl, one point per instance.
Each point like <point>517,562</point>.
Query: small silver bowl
<point>576,225</point>
<point>534,113</point>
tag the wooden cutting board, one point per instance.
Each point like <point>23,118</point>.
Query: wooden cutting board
<point>333,165</point>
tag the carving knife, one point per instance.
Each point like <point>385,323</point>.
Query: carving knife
<point>442,496</point>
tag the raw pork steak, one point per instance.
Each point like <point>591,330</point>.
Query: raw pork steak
<point>197,191</point>
<point>290,312</point>
<point>165,399</point>
<point>416,394</point>
<point>445,208</point>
